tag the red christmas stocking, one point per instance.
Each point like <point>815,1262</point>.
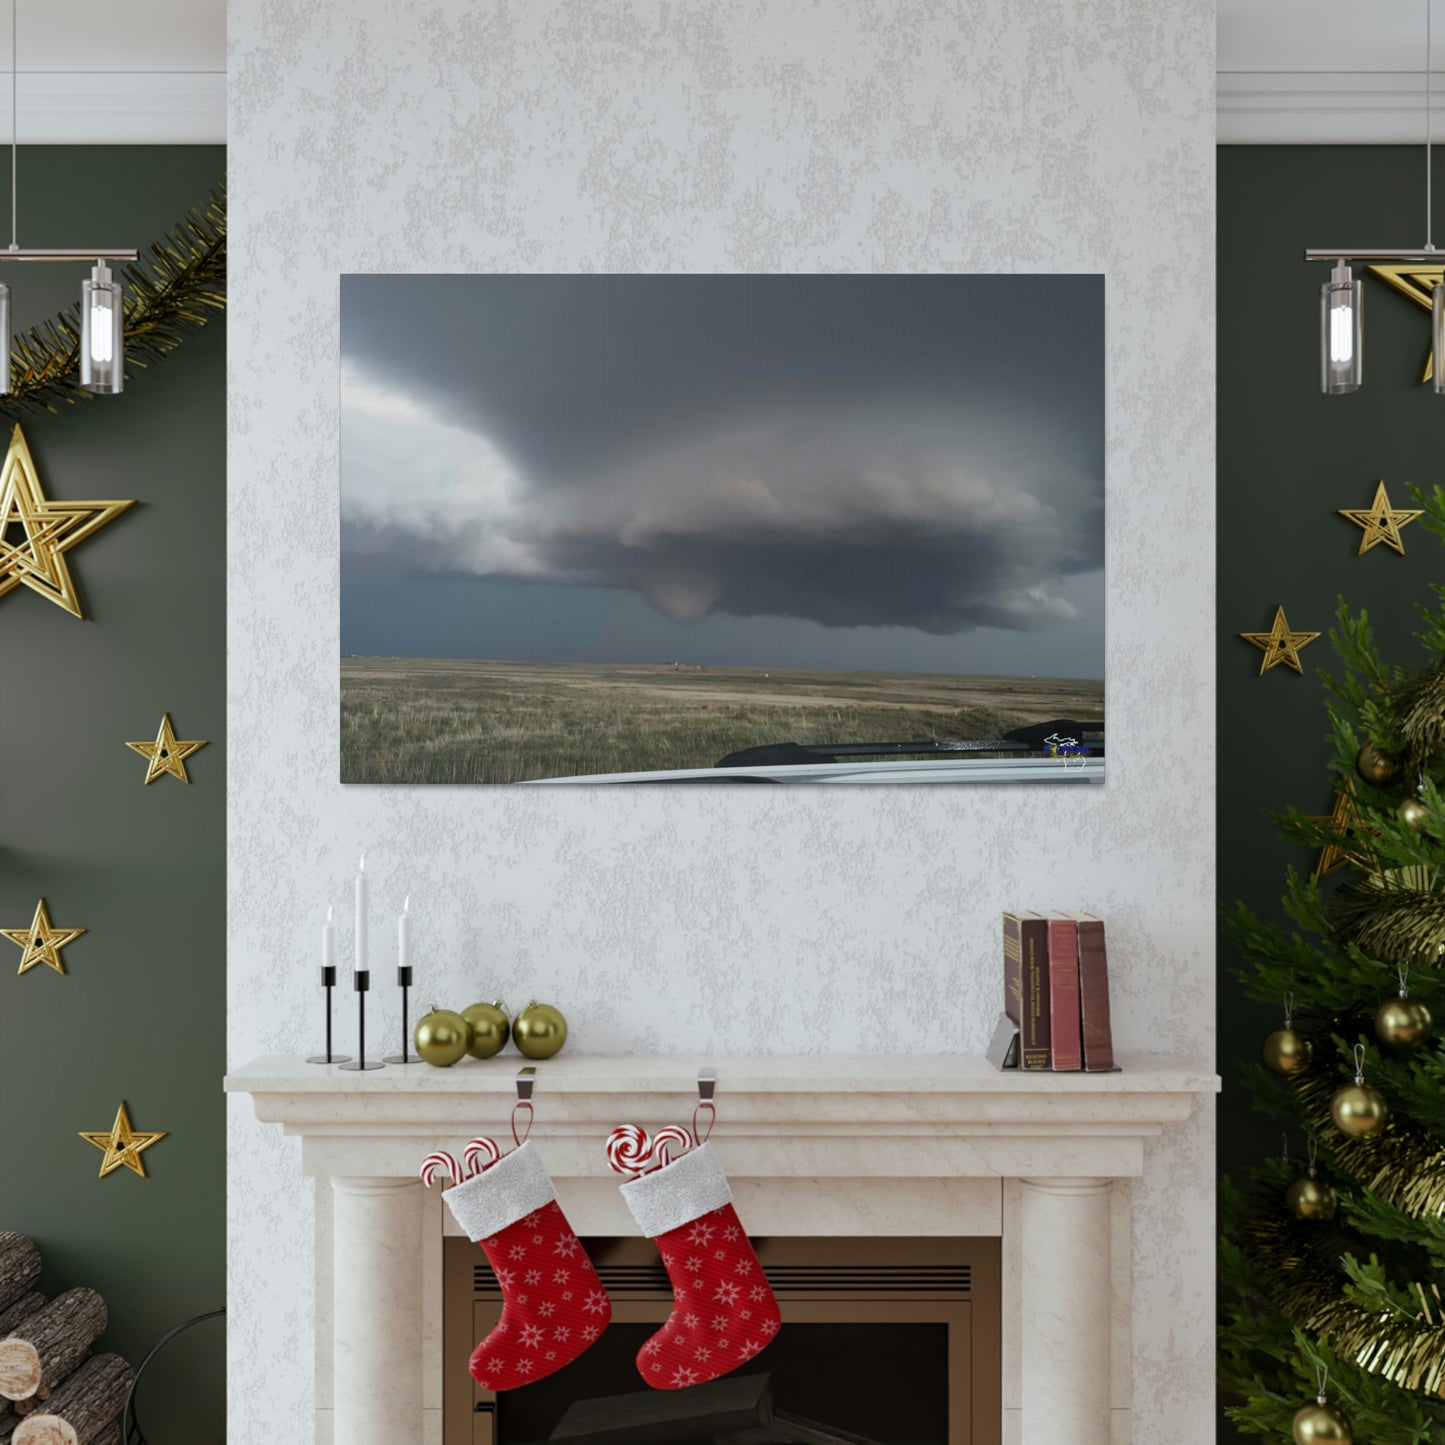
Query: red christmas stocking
<point>553,1304</point>
<point>724,1311</point>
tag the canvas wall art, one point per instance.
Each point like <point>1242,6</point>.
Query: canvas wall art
<point>785,529</point>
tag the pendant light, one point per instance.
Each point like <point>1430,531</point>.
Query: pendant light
<point>1342,299</point>
<point>102,310</point>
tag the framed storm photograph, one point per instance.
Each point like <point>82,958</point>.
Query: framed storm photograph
<point>815,529</point>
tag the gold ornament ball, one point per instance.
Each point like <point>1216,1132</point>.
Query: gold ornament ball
<point>1314,1424</point>
<point>1287,1051</point>
<point>539,1030</point>
<point>441,1038</point>
<point>1414,814</point>
<point>1311,1198</point>
<point>1403,1023</point>
<point>490,1028</point>
<point>1359,1111</point>
<point>1375,765</point>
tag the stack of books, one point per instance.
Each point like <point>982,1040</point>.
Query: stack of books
<point>1056,994</point>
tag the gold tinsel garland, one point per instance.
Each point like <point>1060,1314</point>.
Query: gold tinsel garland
<point>1392,917</point>
<point>1409,1352</point>
<point>1421,704</point>
<point>170,293</point>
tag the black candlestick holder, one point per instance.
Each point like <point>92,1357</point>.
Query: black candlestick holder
<point>403,979</point>
<point>362,979</point>
<point>328,982</point>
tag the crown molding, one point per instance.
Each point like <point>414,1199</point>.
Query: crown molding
<point>1324,107</point>
<point>117,108</point>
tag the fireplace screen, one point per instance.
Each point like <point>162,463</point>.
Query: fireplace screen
<point>884,1342</point>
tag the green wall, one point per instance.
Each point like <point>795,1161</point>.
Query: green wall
<point>140,1014</point>
<point>1288,457</point>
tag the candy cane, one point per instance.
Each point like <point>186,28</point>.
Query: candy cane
<point>475,1150</point>
<point>440,1160</point>
<point>663,1141</point>
<point>628,1151</point>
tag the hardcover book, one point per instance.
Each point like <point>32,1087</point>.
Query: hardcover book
<point>1026,984</point>
<point>1098,1036</point>
<point>1065,1041</point>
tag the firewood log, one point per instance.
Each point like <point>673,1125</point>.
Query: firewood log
<point>19,1266</point>
<point>48,1346</point>
<point>81,1407</point>
<point>659,1417</point>
<point>22,1309</point>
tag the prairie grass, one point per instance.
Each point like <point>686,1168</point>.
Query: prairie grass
<point>408,720</point>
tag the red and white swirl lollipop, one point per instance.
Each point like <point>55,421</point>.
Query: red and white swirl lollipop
<point>669,1141</point>
<point>480,1154</point>
<point>440,1160</point>
<point>628,1150</point>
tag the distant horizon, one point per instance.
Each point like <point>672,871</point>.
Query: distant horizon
<point>687,666</point>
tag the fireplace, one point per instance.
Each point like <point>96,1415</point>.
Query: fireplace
<point>923,1149</point>
<point>884,1342</point>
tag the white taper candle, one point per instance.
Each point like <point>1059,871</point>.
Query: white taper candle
<point>361,939</point>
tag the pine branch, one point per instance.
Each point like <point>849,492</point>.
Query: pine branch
<point>170,294</point>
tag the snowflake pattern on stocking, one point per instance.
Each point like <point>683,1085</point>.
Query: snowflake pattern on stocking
<point>541,1329</point>
<point>710,1331</point>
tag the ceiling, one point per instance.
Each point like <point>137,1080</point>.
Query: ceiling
<point>1326,71</point>
<point>149,72</point>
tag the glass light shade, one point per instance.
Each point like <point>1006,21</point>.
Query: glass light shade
<point>1437,336</point>
<point>1342,337</point>
<point>4,338</point>
<point>102,333</point>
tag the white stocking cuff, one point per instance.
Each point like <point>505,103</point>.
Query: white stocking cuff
<point>685,1190</point>
<point>514,1187</point>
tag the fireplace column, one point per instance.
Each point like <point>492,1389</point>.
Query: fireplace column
<point>377,1311</point>
<point>1065,1294</point>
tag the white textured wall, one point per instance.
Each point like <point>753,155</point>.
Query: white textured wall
<point>722,135</point>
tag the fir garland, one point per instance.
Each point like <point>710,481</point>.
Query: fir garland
<point>171,291</point>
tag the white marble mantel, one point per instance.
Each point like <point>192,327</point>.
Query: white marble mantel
<point>871,1144</point>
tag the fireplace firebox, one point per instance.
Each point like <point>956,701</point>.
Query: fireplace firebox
<point>884,1342</point>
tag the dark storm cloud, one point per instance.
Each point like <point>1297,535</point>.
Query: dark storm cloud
<point>854,451</point>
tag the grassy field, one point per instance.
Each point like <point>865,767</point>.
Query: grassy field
<point>413,720</point>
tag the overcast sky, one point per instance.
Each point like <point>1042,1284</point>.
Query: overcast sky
<point>871,472</point>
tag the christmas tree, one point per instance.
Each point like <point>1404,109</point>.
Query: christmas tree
<point>1340,1268</point>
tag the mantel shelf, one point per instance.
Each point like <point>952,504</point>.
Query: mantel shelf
<point>737,1075</point>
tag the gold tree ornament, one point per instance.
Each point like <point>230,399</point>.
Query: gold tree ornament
<point>1375,765</point>
<point>1311,1197</point>
<point>122,1144</point>
<point>1320,1422</point>
<point>1280,644</point>
<point>36,532</point>
<point>1357,1109</point>
<point>1380,522</point>
<point>1287,1051</point>
<point>41,943</point>
<point>167,754</point>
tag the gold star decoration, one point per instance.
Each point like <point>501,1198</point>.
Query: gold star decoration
<point>122,1144</point>
<point>166,755</point>
<point>40,942</point>
<point>1418,282</point>
<point>1343,821</point>
<point>1381,522</point>
<point>1279,644</point>
<point>36,532</point>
